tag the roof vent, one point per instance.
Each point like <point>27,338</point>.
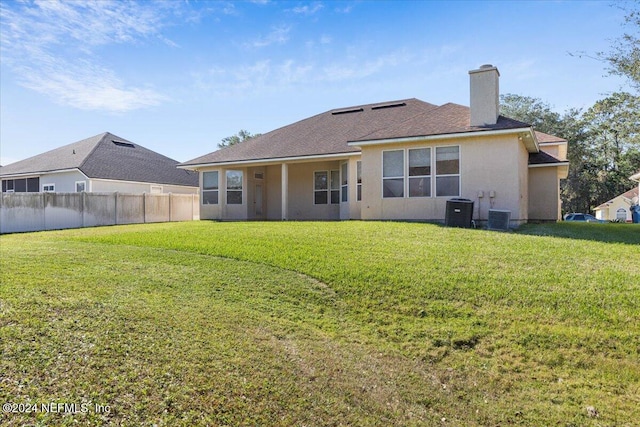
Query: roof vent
<point>381,106</point>
<point>347,111</point>
<point>124,144</point>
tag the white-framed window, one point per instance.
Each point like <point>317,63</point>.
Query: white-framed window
<point>48,188</point>
<point>335,187</point>
<point>234,187</point>
<point>210,188</point>
<point>448,171</point>
<point>419,172</point>
<point>344,182</point>
<point>80,186</point>
<point>358,180</point>
<point>393,173</point>
<point>326,187</point>
<point>320,187</point>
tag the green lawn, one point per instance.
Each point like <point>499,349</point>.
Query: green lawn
<point>319,324</point>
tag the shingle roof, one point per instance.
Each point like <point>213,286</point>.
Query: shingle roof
<point>107,156</point>
<point>545,138</point>
<point>447,119</point>
<point>543,158</point>
<point>331,131</point>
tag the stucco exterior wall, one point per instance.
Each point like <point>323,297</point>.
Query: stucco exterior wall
<point>610,212</point>
<point>301,197</point>
<point>273,185</point>
<point>105,186</point>
<point>544,193</point>
<point>485,170</point>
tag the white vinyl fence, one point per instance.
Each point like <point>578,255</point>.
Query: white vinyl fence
<point>21,212</point>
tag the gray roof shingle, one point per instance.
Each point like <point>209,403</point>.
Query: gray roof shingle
<point>107,156</point>
<point>330,132</point>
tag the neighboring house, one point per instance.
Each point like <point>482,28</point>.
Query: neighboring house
<point>103,163</point>
<point>399,160</point>
<point>618,207</point>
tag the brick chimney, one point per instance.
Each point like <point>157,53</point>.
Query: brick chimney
<point>485,95</point>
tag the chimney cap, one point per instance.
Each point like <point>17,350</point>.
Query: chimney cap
<point>484,68</point>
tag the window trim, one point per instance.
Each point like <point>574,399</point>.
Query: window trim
<point>84,183</point>
<point>52,190</point>
<point>358,180</point>
<point>410,177</point>
<point>234,190</point>
<point>329,190</point>
<point>433,169</point>
<point>344,182</point>
<point>207,190</point>
<point>404,183</point>
<point>436,176</point>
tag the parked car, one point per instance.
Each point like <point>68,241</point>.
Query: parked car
<point>582,217</point>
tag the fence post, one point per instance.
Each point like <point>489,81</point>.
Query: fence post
<point>115,194</point>
<point>170,202</point>
<point>144,208</point>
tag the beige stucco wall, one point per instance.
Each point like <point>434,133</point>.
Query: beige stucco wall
<point>301,206</point>
<point>544,194</point>
<point>609,213</point>
<point>300,193</point>
<point>108,186</point>
<point>489,165</point>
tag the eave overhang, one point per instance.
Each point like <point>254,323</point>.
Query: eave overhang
<point>525,135</point>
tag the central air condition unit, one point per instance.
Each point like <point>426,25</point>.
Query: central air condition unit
<point>499,219</point>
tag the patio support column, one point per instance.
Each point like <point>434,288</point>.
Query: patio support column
<point>285,190</point>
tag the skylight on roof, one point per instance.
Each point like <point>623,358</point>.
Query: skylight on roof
<point>123,144</point>
<point>382,106</point>
<point>350,110</point>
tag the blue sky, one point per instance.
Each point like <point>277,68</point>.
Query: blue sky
<point>178,76</point>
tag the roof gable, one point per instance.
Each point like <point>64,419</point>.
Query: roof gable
<point>107,156</point>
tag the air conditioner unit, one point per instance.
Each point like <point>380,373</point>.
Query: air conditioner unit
<point>499,219</point>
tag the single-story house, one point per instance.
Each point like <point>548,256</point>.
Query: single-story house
<point>102,163</point>
<point>398,160</point>
<point>618,207</point>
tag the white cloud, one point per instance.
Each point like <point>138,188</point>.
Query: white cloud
<point>268,75</point>
<point>307,9</point>
<point>278,35</point>
<point>50,44</point>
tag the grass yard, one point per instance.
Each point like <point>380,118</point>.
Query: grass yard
<point>320,324</point>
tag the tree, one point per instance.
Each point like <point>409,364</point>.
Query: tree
<point>603,144</point>
<point>241,136</point>
<point>530,110</point>
<point>624,57</point>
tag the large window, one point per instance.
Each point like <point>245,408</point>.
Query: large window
<point>21,185</point>
<point>421,164</point>
<point>326,187</point>
<point>344,182</point>
<point>420,172</point>
<point>448,171</point>
<point>359,180</point>
<point>210,188</point>
<point>234,187</point>
<point>393,173</point>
